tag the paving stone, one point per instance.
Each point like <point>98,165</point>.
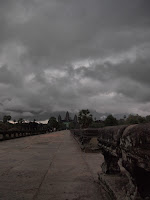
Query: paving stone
<point>48,167</point>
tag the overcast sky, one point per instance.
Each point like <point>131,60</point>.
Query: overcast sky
<point>58,55</point>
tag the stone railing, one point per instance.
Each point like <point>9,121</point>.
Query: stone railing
<point>135,154</point>
<point>109,144</point>
<point>127,149</point>
<point>87,139</point>
<point>7,135</point>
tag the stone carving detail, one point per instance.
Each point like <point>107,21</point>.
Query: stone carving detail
<point>131,145</point>
<point>84,137</point>
<point>109,139</point>
<point>135,147</point>
<point>110,164</point>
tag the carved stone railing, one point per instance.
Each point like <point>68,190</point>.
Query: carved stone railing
<point>130,146</point>
<point>109,140</point>
<point>7,135</point>
<point>84,137</point>
<point>135,149</point>
<point>77,132</point>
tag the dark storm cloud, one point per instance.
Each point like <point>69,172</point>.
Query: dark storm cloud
<point>74,31</point>
<point>67,55</point>
<point>9,77</point>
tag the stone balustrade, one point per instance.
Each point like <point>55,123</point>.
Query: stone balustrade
<point>128,145</point>
<point>6,135</point>
<point>135,154</point>
<point>87,134</point>
<point>85,137</point>
<point>108,142</point>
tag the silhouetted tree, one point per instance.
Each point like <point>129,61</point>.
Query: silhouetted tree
<point>121,121</point>
<point>110,121</point>
<point>52,123</point>
<point>148,118</point>
<point>6,118</point>
<point>20,120</point>
<point>96,124</point>
<point>61,126</point>
<point>141,119</point>
<point>85,118</point>
<point>135,119</point>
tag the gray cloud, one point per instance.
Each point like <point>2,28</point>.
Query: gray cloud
<point>66,55</point>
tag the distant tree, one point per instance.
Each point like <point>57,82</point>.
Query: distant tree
<point>33,125</point>
<point>121,121</point>
<point>147,118</point>
<point>110,121</point>
<point>52,123</point>
<point>62,126</point>
<point>21,120</point>
<point>85,118</point>
<point>5,126</point>
<point>132,119</point>
<point>6,118</point>
<point>135,119</point>
<point>97,125</point>
<point>141,119</point>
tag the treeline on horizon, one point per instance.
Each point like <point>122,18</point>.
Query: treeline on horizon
<point>84,120</point>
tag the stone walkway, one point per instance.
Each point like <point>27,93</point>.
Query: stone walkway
<point>48,167</point>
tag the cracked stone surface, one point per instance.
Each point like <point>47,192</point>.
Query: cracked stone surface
<point>48,167</point>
